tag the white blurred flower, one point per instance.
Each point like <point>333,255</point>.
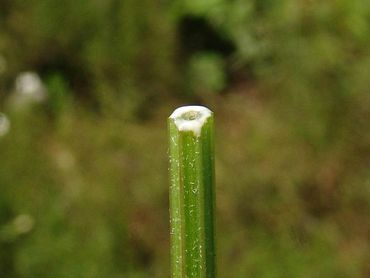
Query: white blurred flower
<point>65,159</point>
<point>4,124</point>
<point>23,223</point>
<point>30,86</point>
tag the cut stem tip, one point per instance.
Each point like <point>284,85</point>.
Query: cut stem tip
<point>191,118</point>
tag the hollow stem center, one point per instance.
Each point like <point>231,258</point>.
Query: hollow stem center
<point>191,115</point>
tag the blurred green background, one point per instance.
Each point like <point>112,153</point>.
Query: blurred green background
<point>85,90</point>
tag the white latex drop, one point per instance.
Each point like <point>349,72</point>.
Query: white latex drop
<point>191,118</point>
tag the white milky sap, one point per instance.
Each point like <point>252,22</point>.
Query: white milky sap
<point>191,118</point>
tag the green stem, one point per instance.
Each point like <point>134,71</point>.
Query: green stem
<point>192,192</point>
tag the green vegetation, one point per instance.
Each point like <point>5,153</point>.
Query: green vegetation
<point>83,168</point>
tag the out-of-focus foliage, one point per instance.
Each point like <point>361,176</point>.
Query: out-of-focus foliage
<point>86,86</point>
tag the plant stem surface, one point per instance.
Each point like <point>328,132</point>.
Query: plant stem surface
<point>192,197</point>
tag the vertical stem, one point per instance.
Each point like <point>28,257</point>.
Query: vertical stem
<point>192,192</point>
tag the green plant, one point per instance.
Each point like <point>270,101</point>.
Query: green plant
<point>192,192</point>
